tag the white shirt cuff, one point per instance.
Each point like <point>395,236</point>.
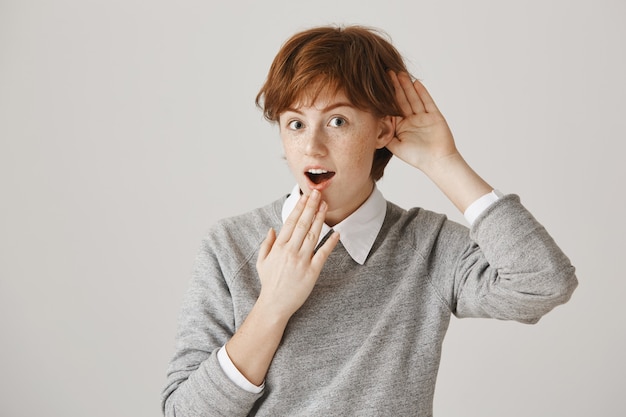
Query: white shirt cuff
<point>479,206</point>
<point>233,373</point>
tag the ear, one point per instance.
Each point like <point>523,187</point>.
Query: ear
<point>386,132</point>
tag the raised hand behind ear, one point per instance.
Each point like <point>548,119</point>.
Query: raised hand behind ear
<point>422,134</point>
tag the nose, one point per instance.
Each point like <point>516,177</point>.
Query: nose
<point>315,143</point>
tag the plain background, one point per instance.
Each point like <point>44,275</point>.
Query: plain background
<point>128,127</point>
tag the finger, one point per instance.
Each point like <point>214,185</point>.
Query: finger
<point>401,99</point>
<point>266,246</point>
<point>302,229</point>
<point>426,99</point>
<point>291,220</point>
<point>312,237</point>
<point>410,92</point>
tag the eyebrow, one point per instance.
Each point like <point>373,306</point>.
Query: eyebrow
<point>325,109</point>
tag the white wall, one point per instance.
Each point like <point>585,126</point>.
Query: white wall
<point>128,127</point>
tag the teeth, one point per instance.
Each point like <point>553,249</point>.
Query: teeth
<point>317,171</point>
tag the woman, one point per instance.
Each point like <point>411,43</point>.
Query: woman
<point>332,300</point>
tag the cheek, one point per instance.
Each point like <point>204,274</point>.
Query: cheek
<point>288,156</point>
<point>287,146</point>
<point>361,151</point>
<point>291,156</point>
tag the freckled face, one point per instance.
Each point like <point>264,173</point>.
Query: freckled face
<point>330,147</point>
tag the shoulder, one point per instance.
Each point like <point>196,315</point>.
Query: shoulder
<point>423,229</point>
<point>240,235</point>
<point>250,223</point>
<point>420,220</point>
<point>248,226</point>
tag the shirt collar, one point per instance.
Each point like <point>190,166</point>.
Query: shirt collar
<point>359,230</point>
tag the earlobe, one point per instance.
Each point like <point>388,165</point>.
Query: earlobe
<point>387,131</point>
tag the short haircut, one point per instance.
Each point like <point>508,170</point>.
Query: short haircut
<point>352,59</point>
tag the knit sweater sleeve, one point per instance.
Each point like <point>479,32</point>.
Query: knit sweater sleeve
<point>196,384</point>
<point>510,268</point>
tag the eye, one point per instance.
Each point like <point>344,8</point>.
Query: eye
<point>337,122</point>
<point>295,125</point>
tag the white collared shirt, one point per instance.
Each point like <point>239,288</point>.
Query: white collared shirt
<point>358,232</point>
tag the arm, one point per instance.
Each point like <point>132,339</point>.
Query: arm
<point>510,268</point>
<point>287,269</point>
<point>196,384</point>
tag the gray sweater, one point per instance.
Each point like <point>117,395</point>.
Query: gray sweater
<point>368,340</point>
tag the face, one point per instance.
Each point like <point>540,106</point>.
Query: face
<point>329,146</point>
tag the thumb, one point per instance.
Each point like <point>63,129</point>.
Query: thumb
<point>267,244</point>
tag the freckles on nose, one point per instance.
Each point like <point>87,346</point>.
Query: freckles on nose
<point>314,145</point>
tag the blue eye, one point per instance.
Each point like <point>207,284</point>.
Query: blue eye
<point>337,122</point>
<point>295,125</point>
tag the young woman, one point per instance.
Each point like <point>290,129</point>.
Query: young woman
<point>332,301</point>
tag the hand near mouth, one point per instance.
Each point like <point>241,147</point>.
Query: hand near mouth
<point>288,266</point>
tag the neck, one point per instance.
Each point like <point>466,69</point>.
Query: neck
<point>335,216</point>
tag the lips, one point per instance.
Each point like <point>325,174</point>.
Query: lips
<point>318,175</point>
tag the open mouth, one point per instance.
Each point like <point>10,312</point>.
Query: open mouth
<point>318,176</point>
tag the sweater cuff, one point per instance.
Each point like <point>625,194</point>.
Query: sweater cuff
<point>479,206</point>
<point>234,375</point>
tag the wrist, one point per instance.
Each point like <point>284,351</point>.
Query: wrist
<point>252,347</point>
<point>457,180</point>
<point>272,312</point>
